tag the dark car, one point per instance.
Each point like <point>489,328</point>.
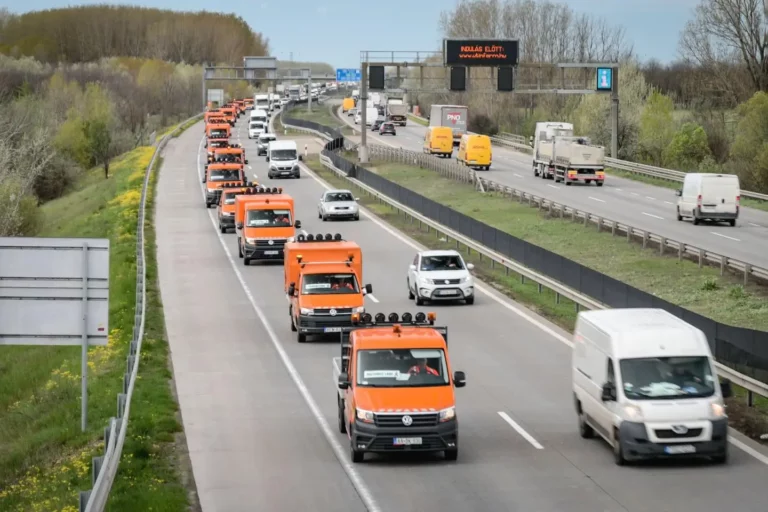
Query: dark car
<point>376,125</point>
<point>387,127</point>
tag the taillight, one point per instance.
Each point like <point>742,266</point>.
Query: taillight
<point>698,200</point>
<point>738,200</point>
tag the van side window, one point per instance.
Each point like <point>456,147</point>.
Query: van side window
<point>610,375</point>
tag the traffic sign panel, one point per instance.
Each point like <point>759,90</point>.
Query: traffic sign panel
<point>348,75</point>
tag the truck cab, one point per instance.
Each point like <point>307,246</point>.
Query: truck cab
<point>395,386</point>
<point>216,175</point>
<point>226,207</point>
<point>229,155</point>
<point>217,131</point>
<point>231,114</point>
<point>264,222</point>
<point>323,283</point>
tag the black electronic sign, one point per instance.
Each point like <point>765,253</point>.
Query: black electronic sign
<point>480,52</point>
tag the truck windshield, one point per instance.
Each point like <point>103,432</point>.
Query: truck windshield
<point>329,284</point>
<point>283,154</point>
<point>218,134</point>
<point>224,175</point>
<point>432,263</point>
<point>659,378</point>
<point>400,368</point>
<point>269,219</point>
<point>229,198</point>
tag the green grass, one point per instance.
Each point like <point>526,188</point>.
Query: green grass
<point>422,122</point>
<point>753,422</point>
<point>320,114</point>
<point>44,458</point>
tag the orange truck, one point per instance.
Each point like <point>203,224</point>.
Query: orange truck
<point>249,102</point>
<point>217,132</point>
<point>323,282</point>
<point>218,174</point>
<point>264,222</point>
<point>395,386</point>
<point>231,113</point>
<point>226,207</point>
<point>229,154</point>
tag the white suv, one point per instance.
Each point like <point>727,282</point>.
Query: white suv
<point>439,276</point>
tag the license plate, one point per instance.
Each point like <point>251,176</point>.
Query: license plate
<point>332,329</point>
<point>446,292</point>
<point>285,172</point>
<point>676,450</point>
<point>269,253</point>
<point>406,441</point>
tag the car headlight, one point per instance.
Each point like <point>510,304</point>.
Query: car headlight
<point>717,409</point>
<point>365,416</point>
<point>250,241</point>
<point>633,412</point>
<point>361,309</point>
<point>425,280</point>
<point>447,414</point>
<point>307,311</point>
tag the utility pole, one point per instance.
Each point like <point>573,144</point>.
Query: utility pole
<point>615,114</point>
<point>363,149</point>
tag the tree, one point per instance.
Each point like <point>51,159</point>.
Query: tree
<point>749,151</point>
<point>688,148</point>
<point>98,125</point>
<point>656,127</point>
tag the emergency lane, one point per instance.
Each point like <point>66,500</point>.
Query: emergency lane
<point>246,424</point>
<point>630,202</point>
<point>525,375</point>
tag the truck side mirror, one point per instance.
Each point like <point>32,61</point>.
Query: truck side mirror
<point>459,379</point>
<point>246,162</point>
<point>609,393</point>
<point>291,289</point>
<point>301,158</point>
<point>239,225</point>
<point>726,389</point>
<point>297,224</point>
<point>530,141</point>
<point>267,158</point>
<point>412,267</point>
<point>368,288</point>
<point>679,193</point>
<point>344,381</point>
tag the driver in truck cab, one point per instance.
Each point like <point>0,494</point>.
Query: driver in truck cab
<point>218,174</point>
<point>323,276</point>
<point>264,222</point>
<point>384,406</point>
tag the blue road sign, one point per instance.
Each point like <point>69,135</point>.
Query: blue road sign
<point>348,75</point>
<point>604,79</point>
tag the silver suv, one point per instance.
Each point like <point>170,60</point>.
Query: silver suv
<point>263,144</point>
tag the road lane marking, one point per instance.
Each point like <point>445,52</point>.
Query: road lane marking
<point>550,185</point>
<point>726,236</point>
<point>755,225</point>
<point>341,454</point>
<point>520,430</point>
<point>635,194</point>
<point>654,216</point>
<point>618,190</point>
<point>516,175</point>
<point>669,202</point>
<point>651,198</point>
<point>372,297</point>
<point>596,199</point>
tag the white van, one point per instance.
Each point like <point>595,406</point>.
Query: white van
<point>256,128</point>
<point>645,381</point>
<point>709,197</point>
<point>260,115</point>
<point>283,157</point>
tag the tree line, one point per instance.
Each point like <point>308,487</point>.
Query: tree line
<point>700,113</point>
<point>90,33</point>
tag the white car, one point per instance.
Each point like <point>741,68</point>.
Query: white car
<point>263,144</point>
<point>338,204</point>
<point>440,276</point>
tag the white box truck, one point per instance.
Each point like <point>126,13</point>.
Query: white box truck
<point>452,116</point>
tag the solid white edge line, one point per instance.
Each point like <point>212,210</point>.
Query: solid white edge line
<point>552,186</point>
<point>596,199</point>
<point>372,297</point>
<point>652,215</point>
<point>357,481</point>
<point>520,430</point>
<point>755,225</point>
<point>501,300</point>
<point>726,236</point>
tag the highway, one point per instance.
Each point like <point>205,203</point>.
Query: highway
<point>630,202</point>
<point>259,409</point>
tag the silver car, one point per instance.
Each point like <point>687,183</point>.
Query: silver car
<point>263,144</point>
<point>338,204</point>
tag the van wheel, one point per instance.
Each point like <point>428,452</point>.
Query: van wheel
<point>246,261</point>
<point>355,455</point>
<point>452,454</point>
<point>301,338</point>
<point>732,222</point>
<point>696,220</point>
<point>679,217</point>
<point>470,300</point>
<point>222,229</point>
<point>722,458</point>
<point>599,183</point>
<point>239,249</point>
<point>293,323</point>
<point>585,431</point>
<point>618,450</point>
<point>342,420</point>
<point>568,183</point>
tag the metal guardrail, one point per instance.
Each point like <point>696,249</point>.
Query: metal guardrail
<point>104,468</point>
<point>581,300</point>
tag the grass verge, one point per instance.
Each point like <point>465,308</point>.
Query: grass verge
<point>753,421</point>
<point>418,120</point>
<point>44,458</point>
<point>320,114</point>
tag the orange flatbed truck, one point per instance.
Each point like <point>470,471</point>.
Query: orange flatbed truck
<point>323,283</point>
<point>264,222</point>
<point>395,386</point>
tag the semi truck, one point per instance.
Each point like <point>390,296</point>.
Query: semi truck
<point>397,112</point>
<point>452,116</point>
<point>561,156</point>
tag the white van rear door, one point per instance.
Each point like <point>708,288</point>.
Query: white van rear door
<point>719,193</point>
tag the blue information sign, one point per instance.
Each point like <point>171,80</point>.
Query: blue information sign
<point>604,79</point>
<point>348,75</point>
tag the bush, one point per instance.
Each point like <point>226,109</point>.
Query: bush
<point>481,123</point>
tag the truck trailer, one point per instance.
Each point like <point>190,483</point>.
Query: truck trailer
<point>452,116</point>
<point>559,155</point>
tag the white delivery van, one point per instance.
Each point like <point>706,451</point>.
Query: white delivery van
<point>371,114</point>
<point>256,128</point>
<point>260,115</point>
<point>709,197</point>
<point>283,158</point>
<point>645,381</point>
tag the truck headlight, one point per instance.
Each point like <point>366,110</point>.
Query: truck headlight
<point>307,311</point>
<point>717,410</point>
<point>447,414</point>
<point>250,241</point>
<point>211,189</point>
<point>633,412</point>
<point>364,416</point>
<point>361,309</point>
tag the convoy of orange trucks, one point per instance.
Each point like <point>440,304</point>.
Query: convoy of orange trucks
<point>394,376</point>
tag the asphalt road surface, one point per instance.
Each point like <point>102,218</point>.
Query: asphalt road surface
<point>630,202</point>
<point>259,409</point>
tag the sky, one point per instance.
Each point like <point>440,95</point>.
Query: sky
<point>335,31</point>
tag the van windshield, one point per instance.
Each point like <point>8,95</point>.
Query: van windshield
<point>283,154</point>
<point>399,368</point>
<point>268,219</point>
<point>659,378</point>
<point>224,175</point>
<point>327,284</point>
<point>257,125</point>
<point>218,134</point>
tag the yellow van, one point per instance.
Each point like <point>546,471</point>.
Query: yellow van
<point>349,104</point>
<point>439,141</point>
<point>475,151</point>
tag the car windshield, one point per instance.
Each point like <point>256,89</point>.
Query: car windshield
<point>329,284</point>
<point>265,140</point>
<point>224,175</point>
<point>398,368</point>
<point>435,263</point>
<point>283,154</point>
<point>333,197</point>
<point>659,378</point>
<point>268,219</point>
<point>218,134</point>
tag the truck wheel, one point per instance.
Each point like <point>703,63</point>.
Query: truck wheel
<point>410,292</point>
<point>732,222</point>
<point>600,183</point>
<point>419,301</point>
<point>301,337</point>
<point>618,450</point>
<point>293,323</point>
<point>356,455</point>
<point>452,454</point>
<point>585,431</point>
<point>222,229</point>
<point>679,217</point>
<point>568,183</point>
<point>246,261</point>
<point>239,249</point>
<point>342,420</point>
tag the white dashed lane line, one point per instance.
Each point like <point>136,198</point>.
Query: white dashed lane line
<point>725,236</point>
<point>654,216</point>
<point>596,199</point>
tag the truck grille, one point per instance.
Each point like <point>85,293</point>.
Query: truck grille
<point>327,321</point>
<point>339,311</point>
<point>385,444</point>
<point>396,420</point>
<point>670,434</point>
<point>277,244</point>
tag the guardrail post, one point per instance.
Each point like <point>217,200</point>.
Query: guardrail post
<point>599,224</point>
<point>557,297</point>
<point>680,250</point>
<point>701,257</point>
<point>613,228</point>
<point>83,501</point>
<point>645,239</point>
<point>662,243</point>
<point>722,265</point>
<point>629,233</point>
<point>121,404</point>
<point>96,463</point>
<point>747,270</point>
